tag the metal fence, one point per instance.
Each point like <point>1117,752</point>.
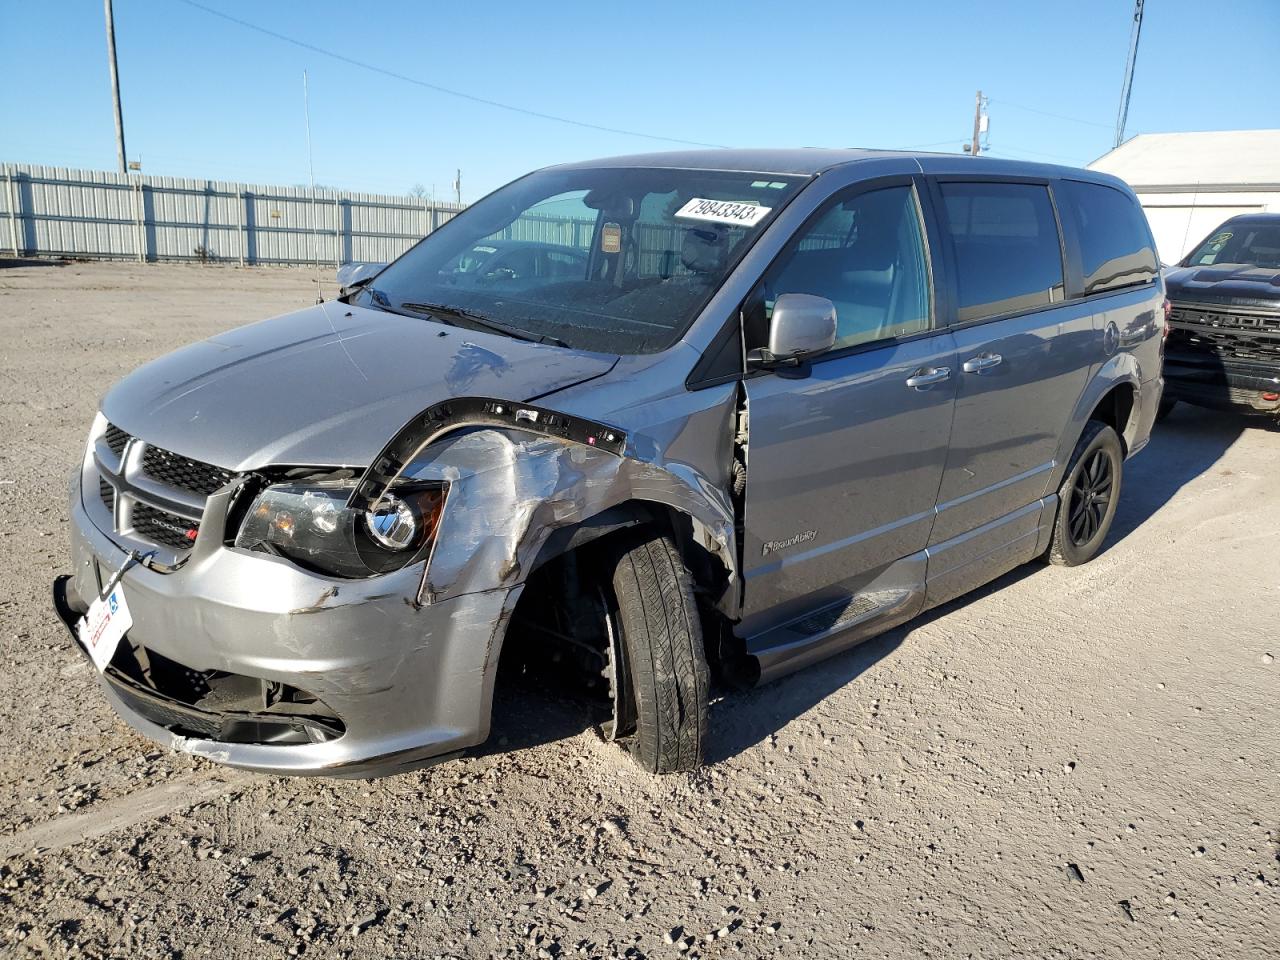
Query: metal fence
<point>59,212</point>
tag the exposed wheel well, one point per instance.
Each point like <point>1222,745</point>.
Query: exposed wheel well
<point>1115,409</point>
<point>700,553</point>
<point>554,624</point>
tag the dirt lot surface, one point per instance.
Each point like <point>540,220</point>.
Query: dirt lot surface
<point>1071,763</point>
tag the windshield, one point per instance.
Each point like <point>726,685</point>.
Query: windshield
<point>611,260</point>
<point>1256,244</point>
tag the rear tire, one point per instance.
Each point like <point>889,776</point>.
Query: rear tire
<point>666,675</point>
<point>1088,497</point>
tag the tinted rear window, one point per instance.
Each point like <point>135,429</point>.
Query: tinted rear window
<point>1115,243</point>
<point>1008,255</point>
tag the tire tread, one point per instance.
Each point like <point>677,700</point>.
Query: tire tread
<point>668,670</point>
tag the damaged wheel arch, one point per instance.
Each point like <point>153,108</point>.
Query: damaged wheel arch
<point>525,493</point>
<point>527,484</point>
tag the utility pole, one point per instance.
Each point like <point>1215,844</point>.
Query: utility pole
<point>977,124</point>
<point>1134,35</point>
<point>311,169</point>
<point>457,187</point>
<point>115,85</point>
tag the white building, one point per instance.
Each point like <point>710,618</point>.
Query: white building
<point>1190,182</point>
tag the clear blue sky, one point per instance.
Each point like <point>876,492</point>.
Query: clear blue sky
<point>204,97</point>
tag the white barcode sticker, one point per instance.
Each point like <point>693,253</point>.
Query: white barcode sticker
<point>723,211</point>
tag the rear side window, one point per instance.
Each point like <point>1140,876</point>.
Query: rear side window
<point>1008,254</point>
<point>1115,244</point>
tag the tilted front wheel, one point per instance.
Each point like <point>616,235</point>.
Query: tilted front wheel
<point>660,641</point>
<point>1088,496</point>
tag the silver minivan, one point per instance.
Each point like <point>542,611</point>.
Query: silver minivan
<point>642,422</point>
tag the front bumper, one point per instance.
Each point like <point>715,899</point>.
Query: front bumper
<point>1224,385</point>
<point>409,683</point>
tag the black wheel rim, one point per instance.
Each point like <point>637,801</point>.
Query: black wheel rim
<point>1090,497</point>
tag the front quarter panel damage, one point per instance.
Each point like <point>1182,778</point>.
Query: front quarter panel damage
<point>511,488</point>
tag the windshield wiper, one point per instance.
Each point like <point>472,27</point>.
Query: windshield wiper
<point>449,312</point>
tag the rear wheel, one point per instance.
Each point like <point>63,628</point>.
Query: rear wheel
<point>661,686</point>
<point>1088,497</point>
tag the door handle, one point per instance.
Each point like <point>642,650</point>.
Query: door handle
<point>928,376</point>
<point>983,361</point>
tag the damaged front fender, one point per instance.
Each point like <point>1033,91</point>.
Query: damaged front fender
<point>518,474</point>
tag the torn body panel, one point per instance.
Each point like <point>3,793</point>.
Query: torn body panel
<point>404,662</point>
<point>512,488</point>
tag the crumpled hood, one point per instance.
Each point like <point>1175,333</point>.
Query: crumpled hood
<point>326,386</point>
<point>1228,283</point>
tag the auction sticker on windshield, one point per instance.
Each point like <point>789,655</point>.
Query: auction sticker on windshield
<point>723,211</point>
<point>102,627</point>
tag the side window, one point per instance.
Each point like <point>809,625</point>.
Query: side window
<point>1115,244</point>
<point>866,255</point>
<point>1008,254</point>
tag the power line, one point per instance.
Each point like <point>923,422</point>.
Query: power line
<point>436,87</point>
<point>1046,113</point>
<point>1009,151</point>
<point>1127,90</point>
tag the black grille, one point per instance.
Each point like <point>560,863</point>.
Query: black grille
<point>108,494</point>
<point>1225,344</point>
<point>116,439</point>
<point>183,472</point>
<point>1208,317</point>
<point>1224,335</point>
<point>160,526</point>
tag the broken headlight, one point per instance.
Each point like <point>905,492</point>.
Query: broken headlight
<point>311,524</point>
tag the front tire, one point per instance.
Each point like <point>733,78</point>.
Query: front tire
<point>1088,497</point>
<point>660,638</point>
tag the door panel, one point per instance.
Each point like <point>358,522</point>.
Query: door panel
<point>844,457</point>
<point>1024,358</point>
<point>843,470</point>
<point>1010,416</point>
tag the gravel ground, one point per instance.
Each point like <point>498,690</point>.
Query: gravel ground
<point>1069,763</point>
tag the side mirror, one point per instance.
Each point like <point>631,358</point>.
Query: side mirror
<point>801,326</point>
<point>352,275</point>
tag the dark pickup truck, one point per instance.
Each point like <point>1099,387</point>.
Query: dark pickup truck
<point>1224,331</point>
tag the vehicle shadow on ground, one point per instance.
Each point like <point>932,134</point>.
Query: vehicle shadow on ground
<point>1183,446</point>
<point>530,709</point>
<point>534,709</point>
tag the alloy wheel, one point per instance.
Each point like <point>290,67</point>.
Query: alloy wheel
<point>1090,498</point>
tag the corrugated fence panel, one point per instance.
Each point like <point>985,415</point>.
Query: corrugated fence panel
<point>53,211</point>
<point>659,245</point>
<point>565,231</point>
